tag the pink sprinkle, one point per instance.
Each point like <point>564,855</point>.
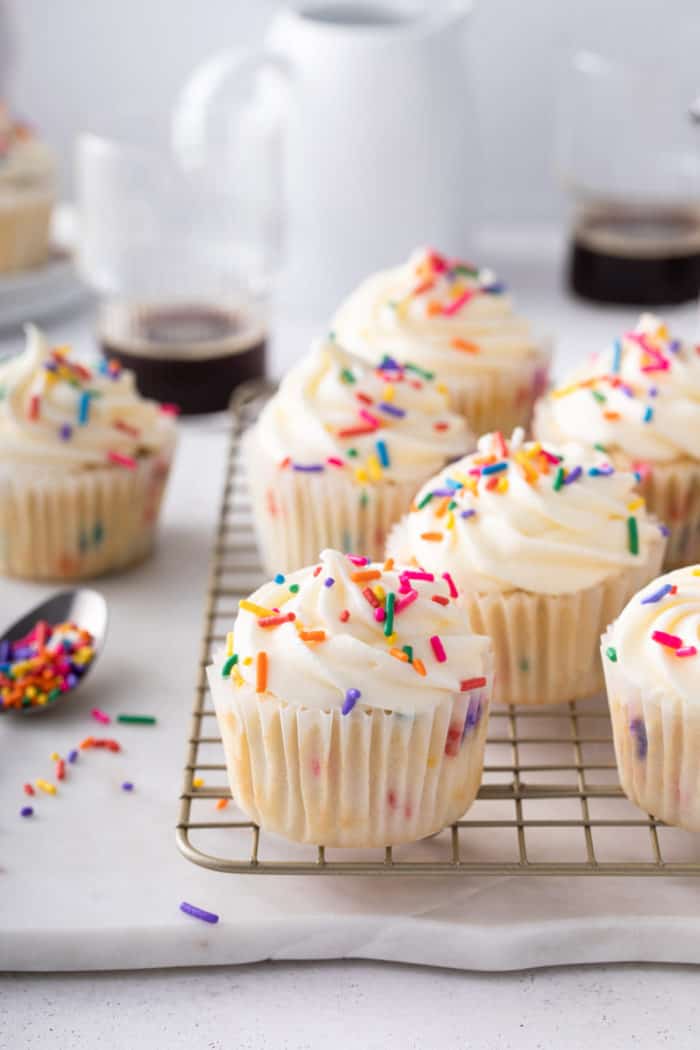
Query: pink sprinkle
<point>369,418</point>
<point>356,559</point>
<point>457,304</point>
<point>686,650</point>
<point>672,641</point>
<point>335,462</point>
<point>123,461</point>
<point>415,574</point>
<point>380,615</point>
<point>404,586</point>
<point>100,716</point>
<point>404,602</point>
<point>170,409</point>
<point>550,457</point>
<point>454,593</point>
<point>438,649</point>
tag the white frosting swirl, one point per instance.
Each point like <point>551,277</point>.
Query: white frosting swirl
<point>356,653</point>
<point>379,423</point>
<point>24,159</point>
<point>639,398</point>
<point>447,316</point>
<point>58,415</point>
<point>514,517</point>
<point>666,611</point>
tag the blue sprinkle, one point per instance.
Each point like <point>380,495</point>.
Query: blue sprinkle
<point>467,513</point>
<point>351,698</point>
<point>328,582</point>
<point>451,483</point>
<point>573,475</point>
<point>279,578</point>
<point>494,468</point>
<point>648,414</point>
<point>495,288</point>
<point>391,410</point>
<point>617,356</point>
<point>600,472</point>
<point>84,408</point>
<point>26,811</point>
<point>383,453</point>
<point>639,732</point>
<point>651,599</point>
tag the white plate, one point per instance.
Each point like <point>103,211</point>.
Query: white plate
<point>35,295</point>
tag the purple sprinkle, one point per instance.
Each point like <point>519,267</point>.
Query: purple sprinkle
<point>651,599</point>
<point>674,346</point>
<point>351,698</point>
<point>328,582</point>
<point>73,755</point>
<point>198,913</point>
<point>389,362</point>
<point>639,732</point>
<point>312,468</point>
<point>26,811</point>
<point>664,530</point>
<point>391,410</point>
<point>5,651</point>
<point>626,389</point>
<point>467,513</point>
<point>65,432</point>
<point>127,786</point>
<point>574,475</point>
<point>495,288</point>
<point>653,391</point>
<point>50,366</point>
<point>474,713</point>
<point>601,472</point>
<point>71,679</point>
<point>442,492</point>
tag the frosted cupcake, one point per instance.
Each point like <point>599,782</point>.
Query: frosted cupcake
<point>652,673</point>
<point>83,465</point>
<point>639,400</point>
<point>27,191</point>
<point>352,702</point>
<point>545,545</point>
<point>456,320</point>
<point>340,451</point>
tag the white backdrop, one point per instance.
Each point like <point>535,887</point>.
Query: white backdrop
<point>110,66</point>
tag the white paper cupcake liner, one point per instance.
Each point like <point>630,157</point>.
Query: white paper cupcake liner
<point>370,778</point>
<point>657,746</point>
<point>546,646</point>
<point>24,229</point>
<point>80,525</point>
<point>296,515</point>
<point>501,400</point>
<point>672,493</point>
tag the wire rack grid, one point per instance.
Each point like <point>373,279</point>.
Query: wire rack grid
<point>550,801</point>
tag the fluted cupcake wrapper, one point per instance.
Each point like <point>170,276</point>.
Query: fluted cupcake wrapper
<point>24,229</point>
<point>672,493</point>
<point>298,514</point>
<point>501,400</point>
<point>369,778</point>
<point>657,746</point>
<point>546,645</point>
<point>80,525</point>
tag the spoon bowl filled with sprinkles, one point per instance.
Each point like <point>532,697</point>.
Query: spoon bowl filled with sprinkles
<point>46,655</point>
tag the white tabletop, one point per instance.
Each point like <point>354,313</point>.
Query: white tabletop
<point>355,1003</point>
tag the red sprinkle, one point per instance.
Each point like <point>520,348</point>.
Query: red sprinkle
<point>371,597</point>
<point>471,683</point>
<point>34,403</point>
<point>29,790</point>
<point>122,460</point>
<point>440,599</point>
<point>275,621</point>
<point>60,770</point>
<point>454,593</point>
<point>672,641</point>
<point>344,616</point>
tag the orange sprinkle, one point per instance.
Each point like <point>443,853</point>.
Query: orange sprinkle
<point>419,666</point>
<point>388,565</point>
<point>399,654</point>
<point>312,636</point>
<point>612,416</point>
<point>261,672</point>
<point>434,308</point>
<point>222,803</point>
<point>89,741</point>
<point>492,483</point>
<point>365,575</point>
<point>465,344</point>
<point>444,503</point>
<point>433,537</point>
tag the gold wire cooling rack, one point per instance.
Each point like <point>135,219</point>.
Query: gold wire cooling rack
<point>550,801</point>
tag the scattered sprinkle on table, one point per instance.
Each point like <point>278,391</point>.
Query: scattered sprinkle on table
<point>198,913</point>
<point>137,720</point>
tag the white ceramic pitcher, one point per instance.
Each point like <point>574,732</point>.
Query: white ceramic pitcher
<point>380,146</point>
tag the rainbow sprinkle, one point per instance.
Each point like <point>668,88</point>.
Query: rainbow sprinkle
<point>47,662</point>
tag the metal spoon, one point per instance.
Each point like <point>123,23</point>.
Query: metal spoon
<point>81,606</point>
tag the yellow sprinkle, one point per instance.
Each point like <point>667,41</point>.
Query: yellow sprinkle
<point>198,782</point>
<point>696,572</point>
<point>502,485</point>
<point>374,468</point>
<point>379,592</point>
<point>44,785</point>
<point>635,504</point>
<point>450,520</point>
<point>441,388</point>
<point>564,391</point>
<point>42,699</point>
<point>54,756</point>
<point>360,474</point>
<point>391,639</point>
<point>229,643</point>
<point>30,691</point>
<point>248,661</point>
<point>236,675</point>
<point>388,393</point>
<point>257,610</point>
<point>432,762</point>
<point>457,289</point>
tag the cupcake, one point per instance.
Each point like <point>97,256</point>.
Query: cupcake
<point>639,401</point>
<point>352,701</point>
<point>83,465</point>
<point>456,320</point>
<point>545,546</point>
<point>27,191</point>
<point>652,673</point>
<point>340,451</point>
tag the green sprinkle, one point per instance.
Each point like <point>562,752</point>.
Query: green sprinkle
<point>558,479</point>
<point>419,371</point>
<point>347,376</point>
<point>54,695</point>
<point>465,271</point>
<point>364,498</point>
<point>633,535</point>
<point>226,669</point>
<point>425,501</point>
<point>601,448</point>
<point>408,649</point>
<point>524,664</point>
<point>294,587</point>
<point>600,397</point>
<point>352,452</point>
<point>389,609</point>
<point>142,720</point>
<point>611,654</point>
<point>452,504</point>
<point>331,336</point>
